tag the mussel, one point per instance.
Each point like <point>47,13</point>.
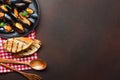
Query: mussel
<point>1,2</point>
<point>7,28</point>
<point>21,6</point>
<point>1,15</point>
<point>8,18</point>
<point>16,12</point>
<point>26,22</point>
<point>29,10</point>
<point>3,25</point>
<point>17,25</point>
<point>17,1</point>
<point>26,13</point>
<point>15,15</point>
<point>5,7</point>
<point>27,1</point>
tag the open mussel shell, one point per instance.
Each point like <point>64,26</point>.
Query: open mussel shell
<point>21,6</point>
<point>11,1</point>
<point>5,7</point>
<point>11,17</point>
<point>1,1</point>
<point>5,27</point>
<point>13,21</point>
<point>1,15</point>
<point>19,27</point>
<point>29,10</point>
<point>26,22</point>
<point>2,30</point>
<point>16,1</point>
<point>8,28</point>
<point>16,14</point>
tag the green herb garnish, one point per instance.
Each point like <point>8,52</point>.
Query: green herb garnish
<point>7,6</point>
<point>2,24</point>
<point>24,13</point>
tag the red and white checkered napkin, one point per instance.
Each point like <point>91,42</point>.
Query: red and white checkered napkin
<point>6,55</point>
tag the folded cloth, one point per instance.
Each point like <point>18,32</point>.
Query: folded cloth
<point>6,55</point>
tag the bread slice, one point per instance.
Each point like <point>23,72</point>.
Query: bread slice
<point>31,50</point>
<point>15,45</point>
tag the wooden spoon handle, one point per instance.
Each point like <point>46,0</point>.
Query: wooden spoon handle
<point>11,61</point>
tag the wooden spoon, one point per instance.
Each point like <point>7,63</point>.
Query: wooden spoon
<point>37,64</point>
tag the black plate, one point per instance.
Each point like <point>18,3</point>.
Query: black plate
<point>34,19</point>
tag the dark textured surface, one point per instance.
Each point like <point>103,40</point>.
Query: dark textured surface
<point>81,40</point>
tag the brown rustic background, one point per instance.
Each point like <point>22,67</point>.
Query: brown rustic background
<point>81,40</point>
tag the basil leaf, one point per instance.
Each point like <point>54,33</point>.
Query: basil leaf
<point>2,24</point>
<point>24,13</point>
<point>7,6</point>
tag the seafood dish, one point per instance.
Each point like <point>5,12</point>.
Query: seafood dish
<point>17,17</point>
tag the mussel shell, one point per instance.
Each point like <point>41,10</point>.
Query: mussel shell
<point>12,1</point>
<point>21,6</point>
<point>1,15</point>
<point>25,24</point>
<point>8,28</point>
<point>2,30</point>
<point>30,11</point>
<point>19,27</point>
<point>10,17</point>
<point>16,1</point>
<point>5,30</point>
<point>1,1</point>
<point>27,1</point>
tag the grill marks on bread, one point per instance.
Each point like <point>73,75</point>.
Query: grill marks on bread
<point>22,46</point>
<point>31,50</point>
<point>15,45</point>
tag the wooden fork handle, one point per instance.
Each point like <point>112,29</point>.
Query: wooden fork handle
<point>20,72</point>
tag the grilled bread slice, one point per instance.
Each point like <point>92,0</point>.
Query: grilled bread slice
<point>15,45</point>
<point>31,50</point>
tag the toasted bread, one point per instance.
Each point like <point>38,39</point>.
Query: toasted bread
<point>31,50</point>
<point>15,45</point>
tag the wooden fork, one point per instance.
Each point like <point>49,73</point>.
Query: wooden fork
<point>29,76</point>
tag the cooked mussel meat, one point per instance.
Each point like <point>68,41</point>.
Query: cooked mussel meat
<point>1,15</point>
<point>19,27</point>
<point>7,27</point>
<point>16,12</point>
<point>26,13</point>
<point>5,7</point>
<point>27,1</point>
<point>29,10</point>
<point>25,21</point>
<point>14,15</point>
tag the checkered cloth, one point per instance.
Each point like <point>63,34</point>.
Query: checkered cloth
<point>6,55</point>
